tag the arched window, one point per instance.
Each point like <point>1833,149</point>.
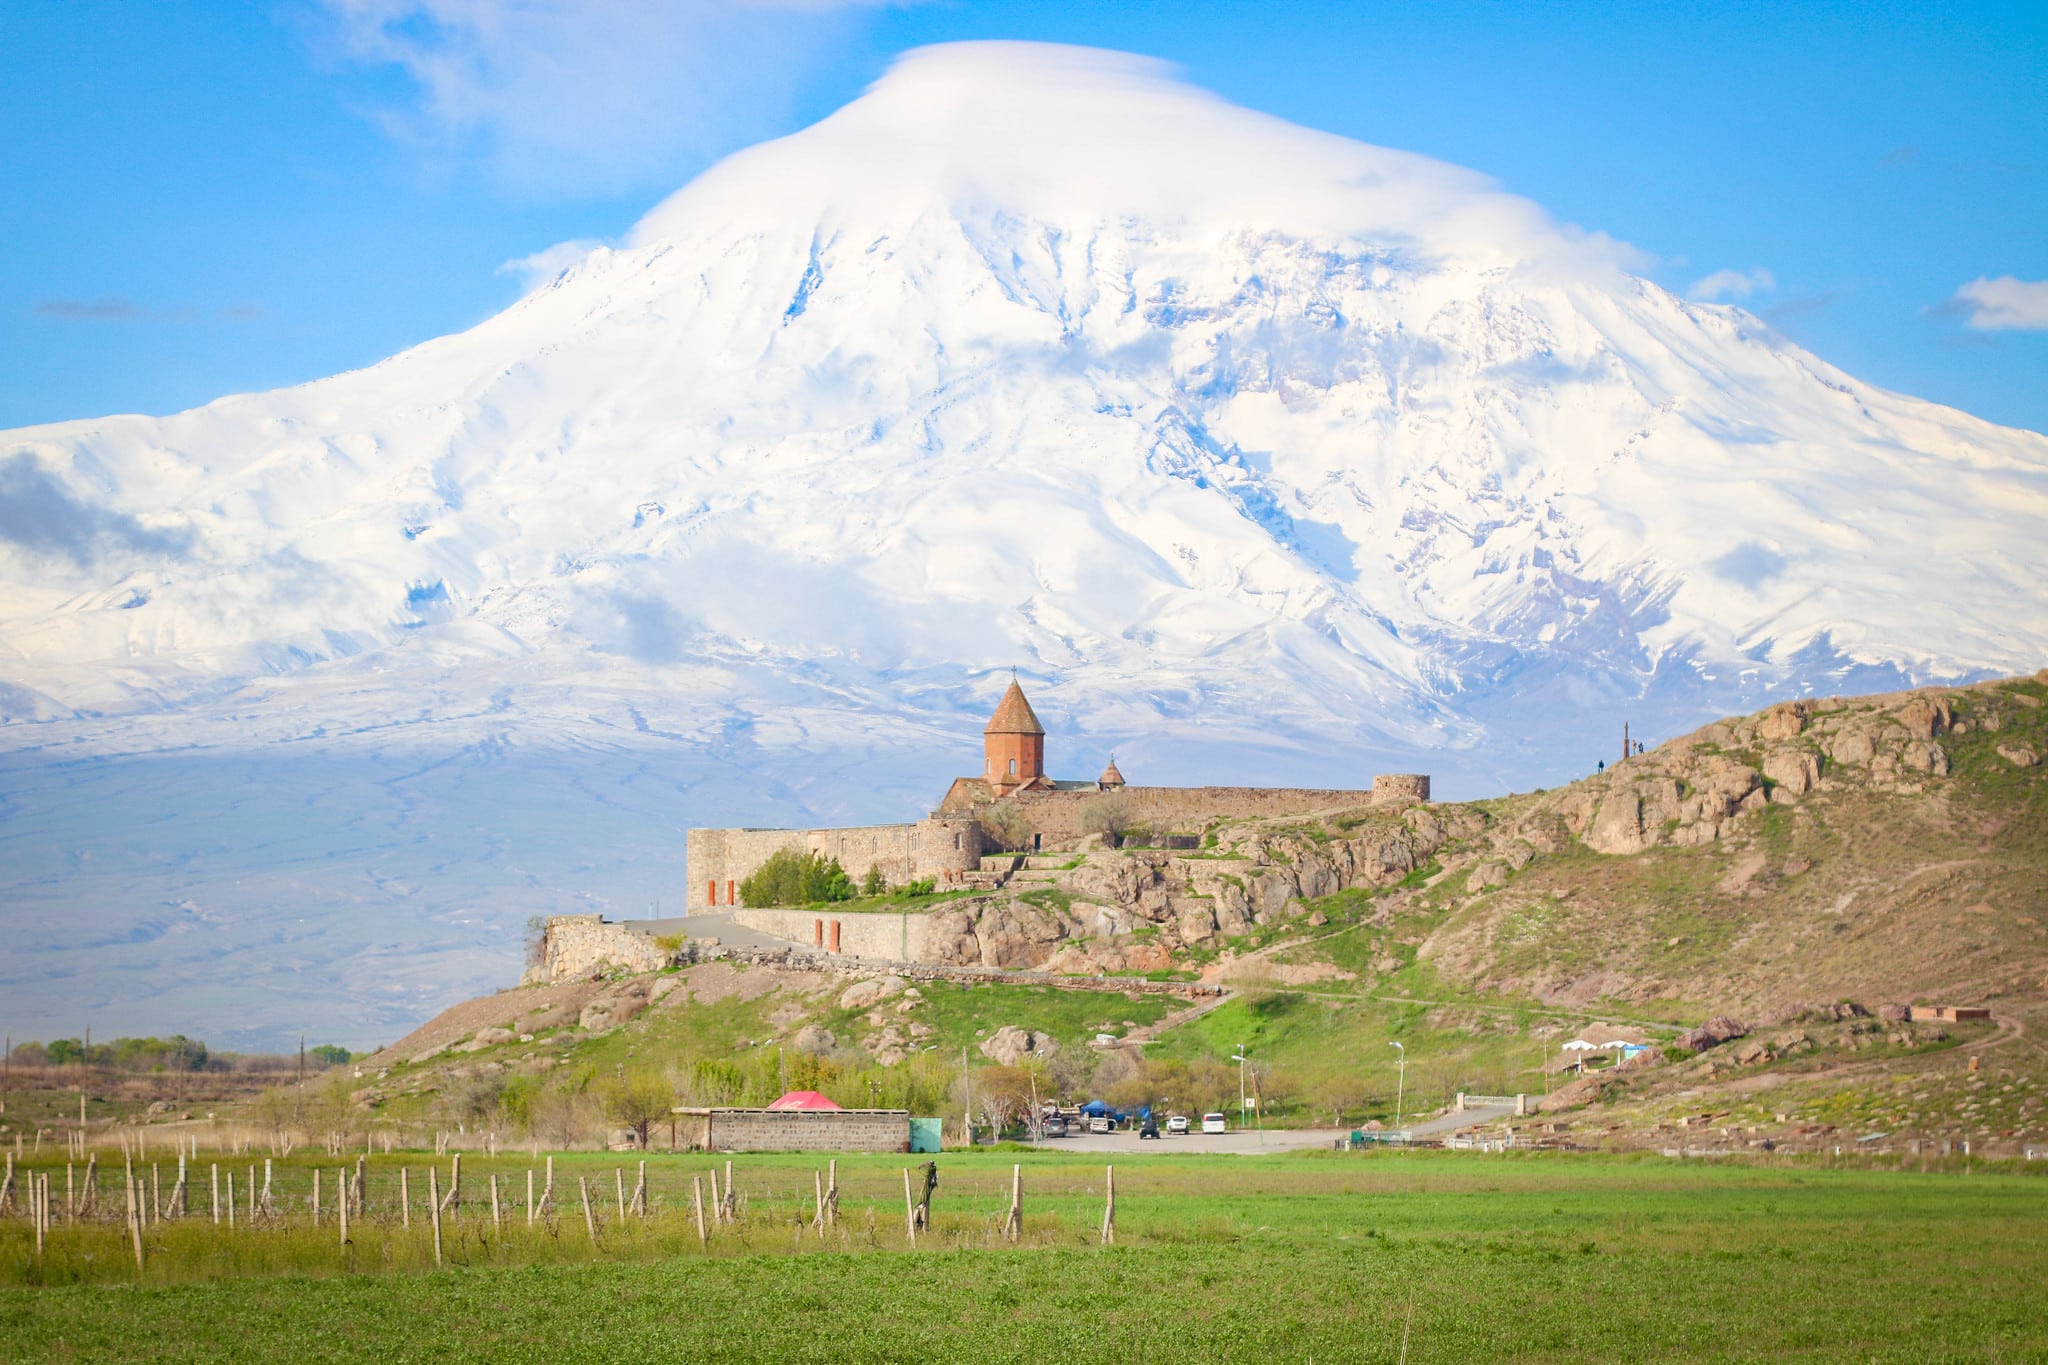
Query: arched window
<point>1013,767</point>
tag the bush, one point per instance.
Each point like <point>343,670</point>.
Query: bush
<point>793,878</point>
<point>1003,825</point>
<point>874,884</point>
<point>1111,815</point>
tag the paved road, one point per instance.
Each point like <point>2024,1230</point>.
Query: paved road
<point>1451,1123</point>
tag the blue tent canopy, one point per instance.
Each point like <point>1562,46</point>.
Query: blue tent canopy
<point>1095,1109</point>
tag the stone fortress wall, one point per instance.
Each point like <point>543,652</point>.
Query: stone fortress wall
<point>892,936</point>
<point>1057,817</point>
<point>941,849</point>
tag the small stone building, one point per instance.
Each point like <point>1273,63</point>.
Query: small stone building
<point>791,1130</point>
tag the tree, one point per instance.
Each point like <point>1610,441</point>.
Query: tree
<point>874,884</point>
<point>1006,1093</point>
<point>635,1101</point>
<point>1005,826</point>
<point>1341,1093</point>
<point>792,877</point>
<point>327,1054</point>
<point>1112,815</point>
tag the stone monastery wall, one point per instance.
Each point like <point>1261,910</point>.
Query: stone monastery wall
<point>898,937</point>
<point>941,849</point>
<point>1057,816</point>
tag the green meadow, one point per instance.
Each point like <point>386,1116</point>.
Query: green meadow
<point>1312,1256</point>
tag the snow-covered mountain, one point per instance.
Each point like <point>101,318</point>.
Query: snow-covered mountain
<point>1264,454</point>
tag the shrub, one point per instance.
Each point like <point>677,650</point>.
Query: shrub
<point>1111,815</point>
<point>793,878</point>
<point>874,884</point>
<point>1004,826</point>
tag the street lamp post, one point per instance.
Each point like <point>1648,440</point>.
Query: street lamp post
<point>1240,1060</point>
<point>1401,1085</point>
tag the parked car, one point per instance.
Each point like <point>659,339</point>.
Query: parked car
<point>1177,1123</point>
<point>1053,1125</point>
<point>1150,1130</point>
<point>1212,1123</point>
<point>1101,1123</point>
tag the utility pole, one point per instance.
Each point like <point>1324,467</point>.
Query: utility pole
<point>1240,1059</point>
<point>1401,1085</point>
<point>299,1099</point>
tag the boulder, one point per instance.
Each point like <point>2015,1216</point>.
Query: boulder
<point>1855,746</point>
<point>1783,721</point>
<point>1487,875</point>
<point>867,994</point>
<point>488,1037</point>
<point>1793,772</point>
<point>615,1007</point>
<point>1924,717</point>
<point>814,1040</point>
<point>1714,1032</point>
<point>1010,1043</point>
<point>1924,756</point>
<point>2019,755</point>
<point>1618,827</point>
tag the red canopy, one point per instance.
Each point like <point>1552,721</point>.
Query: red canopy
<point>803,1099</point>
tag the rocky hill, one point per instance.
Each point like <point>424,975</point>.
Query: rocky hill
<point>1760,900</point>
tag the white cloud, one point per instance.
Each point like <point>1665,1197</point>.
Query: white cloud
<point>2004,304</point>
<point>1733,284</point>
<point>548,262</point>
<point>580,95</point>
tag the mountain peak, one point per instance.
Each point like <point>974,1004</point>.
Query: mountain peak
<point>1078,136</point>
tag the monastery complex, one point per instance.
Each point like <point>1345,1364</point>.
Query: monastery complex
<point>1011,806</point>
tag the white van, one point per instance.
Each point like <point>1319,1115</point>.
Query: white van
<point>1212,1123</point>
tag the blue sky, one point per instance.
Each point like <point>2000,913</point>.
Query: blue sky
<point>205,198</point>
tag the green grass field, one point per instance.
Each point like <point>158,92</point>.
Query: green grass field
<point>1313,1256</point>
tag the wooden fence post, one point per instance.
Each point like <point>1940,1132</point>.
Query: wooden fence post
<point>135,1213</point>
<point>697,1196</point>
<point>589,1218</point>
<point>434,1207</point>
<point>529,1196</point>
<point>832,1191</point>
<point>495,1225</point>
<point>405,1198</point>
<point>340,1182</point>
<point>619,1184</point>
<point>1109,1208</point>
<point>1013,1226</point>
<point>909,1209</point>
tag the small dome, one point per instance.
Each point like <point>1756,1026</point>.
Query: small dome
<point>1110,776</point>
